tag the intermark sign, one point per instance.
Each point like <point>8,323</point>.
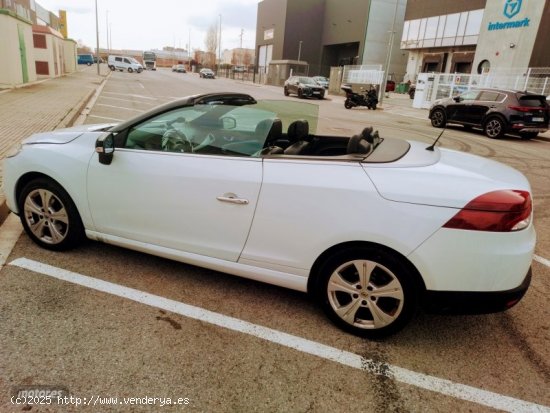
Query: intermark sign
<point>511,9</point>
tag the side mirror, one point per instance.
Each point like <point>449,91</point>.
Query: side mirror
<point>457,99</point>
<point>105,148</point>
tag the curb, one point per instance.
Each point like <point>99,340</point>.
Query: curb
<point>68,120</point>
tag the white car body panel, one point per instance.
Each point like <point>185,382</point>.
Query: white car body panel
<point>460,178</point>
<point>124,198</point>
<point>298,219</point>
<point>462,260</point>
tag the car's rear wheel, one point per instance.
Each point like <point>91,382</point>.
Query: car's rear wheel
<point>300,94</point>
<point>286,91</point>
<point>367,291</point>
<point>528,135</point>
<point>495,128</point>
<point>438,118</point>
<point>49,215</point>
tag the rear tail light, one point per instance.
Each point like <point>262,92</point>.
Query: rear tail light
<point>498,211</point>
<point>526,108</point>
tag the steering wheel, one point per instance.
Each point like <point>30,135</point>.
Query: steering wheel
<point>175,141</point>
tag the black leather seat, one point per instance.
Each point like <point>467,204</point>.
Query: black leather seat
<point>298,134</point>
<point>273,137</point>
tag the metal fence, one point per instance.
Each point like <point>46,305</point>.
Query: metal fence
<point>442,85</point>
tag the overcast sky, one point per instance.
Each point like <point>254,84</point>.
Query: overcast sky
<point>154,24</point>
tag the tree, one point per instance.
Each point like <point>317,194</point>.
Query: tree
<point>211,41</point>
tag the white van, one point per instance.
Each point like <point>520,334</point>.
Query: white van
<point>124,63</point>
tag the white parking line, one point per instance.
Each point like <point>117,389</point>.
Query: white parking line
<point>446,387</point>
<point>541,260</point>
<point>126,100</point>
<point>104,117</point>
<point>127,94</point>
<point>120,107</point>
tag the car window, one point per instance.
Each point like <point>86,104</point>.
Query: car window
<point>126,61</point>
<point>488,96</point>
<point>118,59</point>
<point>532,101</point>
<point>471,95</point>
<point>207,129</point>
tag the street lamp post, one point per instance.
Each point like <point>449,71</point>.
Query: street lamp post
<point>388,56</point>
<point>299,50</point>
<point>220,45</point>
<point>97,37</point>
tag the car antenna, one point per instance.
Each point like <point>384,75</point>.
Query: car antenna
<point>432,146</point>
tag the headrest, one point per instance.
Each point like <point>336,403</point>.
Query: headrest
<point>358,145</point>
<point>298,130</point>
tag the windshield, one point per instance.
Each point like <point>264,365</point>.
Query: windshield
<point>134,61</point>
<point>307,81</point>
<point>149,55</point>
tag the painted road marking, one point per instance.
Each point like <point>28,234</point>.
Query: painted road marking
<point>120,107</point>
<point>541,260</point>
<point>135,96</point>
<point>104,117</point>
<point>424,381</point>
<point>126,100</point>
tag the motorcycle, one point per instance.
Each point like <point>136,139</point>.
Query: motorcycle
<point>367,98</point>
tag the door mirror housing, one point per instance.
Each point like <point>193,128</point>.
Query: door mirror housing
<point>105,148</point>
<point>229,122</point>
<point>457,99</point>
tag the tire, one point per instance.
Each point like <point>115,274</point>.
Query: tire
<point>57,227</point>
<point>374,107</point>
<point>89,64</point>
<point>300,94</point>
<point>494,127</point>
<point>438,118</point>
<point>139,70</point>
<point>375,304</point>
<point>112,68</point>
<point>348,104</point>
<point>528,135</point>
<point>130,70</point>
<point>285,91</point>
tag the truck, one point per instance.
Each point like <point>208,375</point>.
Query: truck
<point>150,60</point>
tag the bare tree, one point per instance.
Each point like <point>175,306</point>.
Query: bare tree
<point>211,41</point>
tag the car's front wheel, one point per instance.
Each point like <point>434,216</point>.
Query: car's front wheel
<point>300,94</point>
<point>130,70</point>
<point>286,91</point>
<point>49,216</point>
<point>495,128</point>
<point>438,118</point>
<point>367,291</point>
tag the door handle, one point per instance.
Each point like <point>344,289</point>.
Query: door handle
<point>232,199</point>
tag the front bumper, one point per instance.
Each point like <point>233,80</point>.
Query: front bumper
<point>467,302</point>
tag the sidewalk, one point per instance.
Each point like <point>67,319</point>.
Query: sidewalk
<point>44,106</point>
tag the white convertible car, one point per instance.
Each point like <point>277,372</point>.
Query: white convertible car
<point>372,227</point>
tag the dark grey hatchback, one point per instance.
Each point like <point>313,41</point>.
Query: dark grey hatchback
<point>496,111</point>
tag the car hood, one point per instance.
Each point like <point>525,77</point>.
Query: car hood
<point>444,177</point>
<point>62,136</point>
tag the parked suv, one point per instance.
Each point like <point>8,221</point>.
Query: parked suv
<point>124,63</point>
<point>496,111</point>
<point>304,86</point>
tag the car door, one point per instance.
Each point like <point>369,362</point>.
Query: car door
<point>485,101</point>
<point>197,203</point>
<point>459,110</point>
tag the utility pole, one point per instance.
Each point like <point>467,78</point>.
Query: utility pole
<point>189,51</point>
<point>107,31</point>
<point>382,91</point>
<point>241,54</point>
<point>299,50</point>
<point>97,37</point>
<point>220,44</point>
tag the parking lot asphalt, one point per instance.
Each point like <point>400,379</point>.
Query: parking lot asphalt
<point>115,341</point>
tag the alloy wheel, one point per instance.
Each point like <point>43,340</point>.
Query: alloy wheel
<point>493,129</point>
<point>46,216</point>
<point>365,294</point>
